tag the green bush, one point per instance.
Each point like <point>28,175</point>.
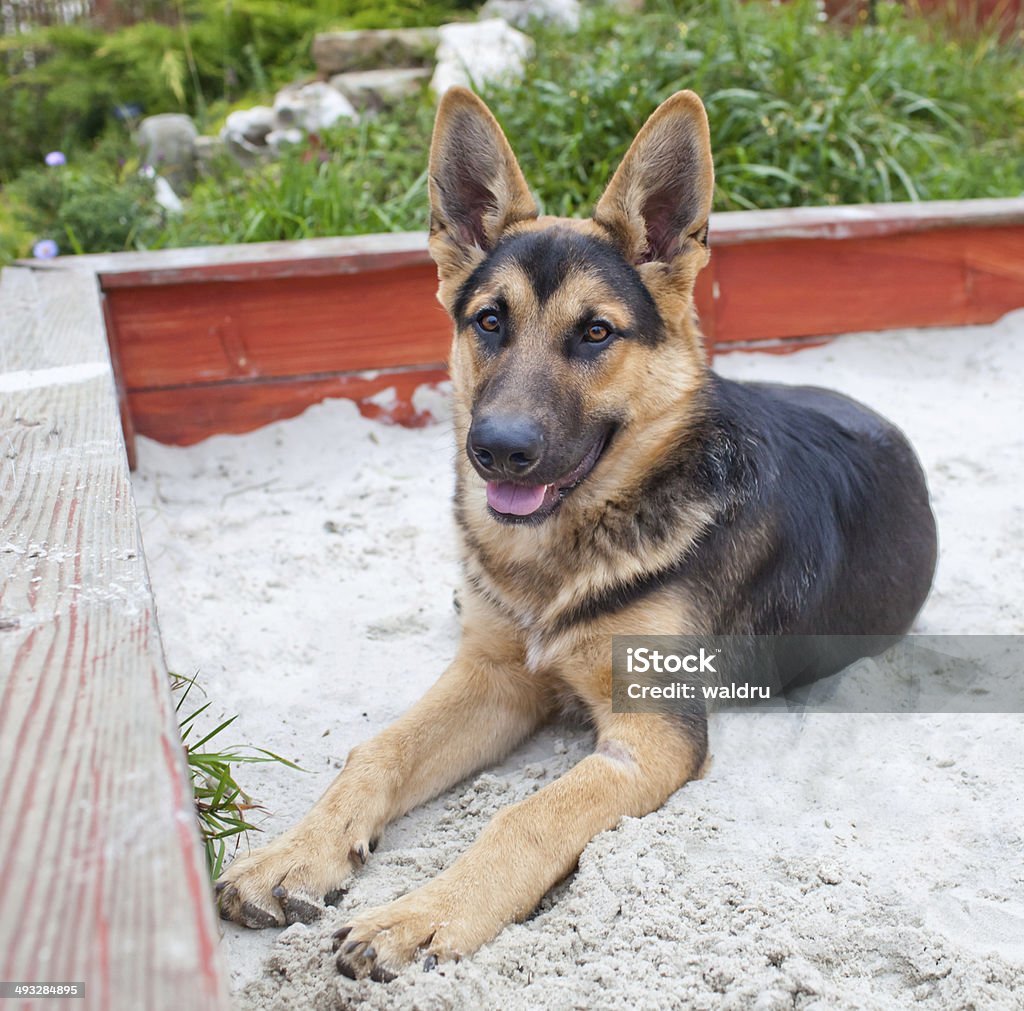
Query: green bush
<point>59,86</point>
<point>352,180</point>
<point>800,114</point>
<point>94,205</point>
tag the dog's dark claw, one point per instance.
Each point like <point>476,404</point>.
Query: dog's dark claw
<point>370,953</point>
<point>374,843</point>
<point>361,853</point>
<point>344,968</point>
<point>351,947</point>
<point>278,891</point>
<point>219,886</point>
<point>381,975</point>
<point>430,963</point>
<point>341,933</point>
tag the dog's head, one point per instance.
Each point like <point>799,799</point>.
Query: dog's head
<point>575,340</point>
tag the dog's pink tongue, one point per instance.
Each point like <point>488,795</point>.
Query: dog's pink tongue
<point>516,499</point>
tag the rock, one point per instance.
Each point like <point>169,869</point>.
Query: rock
<point>493,50</point>
<point>168,147</point>
<point>379,89</point>
<point>245,133</point>
<point>251,125</point>
<point>166,197</point>
<point>279,139</point>
<point>519,13</point>
<point>313,106</point>
<point>338,52</point>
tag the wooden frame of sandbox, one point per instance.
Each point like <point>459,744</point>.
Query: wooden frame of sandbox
<point>102,879</point>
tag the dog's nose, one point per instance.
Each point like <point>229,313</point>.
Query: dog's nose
<point>504,446</point>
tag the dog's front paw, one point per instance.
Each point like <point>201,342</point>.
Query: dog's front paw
<point>430,924</point>
<point>291,880</point>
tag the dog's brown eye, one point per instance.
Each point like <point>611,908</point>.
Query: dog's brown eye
<point>488,321</point>
<point>596,333</point>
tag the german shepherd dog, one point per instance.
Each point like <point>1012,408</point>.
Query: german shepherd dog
<point>607,483</point>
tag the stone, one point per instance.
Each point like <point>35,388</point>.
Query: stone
<point>480,52</point>
<point>519,13</point>
<point>311,107</point>
<point>168,143</point>
<point>165,196</point>
<point>277,140</point>
<point>380,89</point>
<point>251,125</point>
<point>244,133</point>
<point>338,52</point>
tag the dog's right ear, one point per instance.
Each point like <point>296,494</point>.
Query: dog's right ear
<point>477,189</point>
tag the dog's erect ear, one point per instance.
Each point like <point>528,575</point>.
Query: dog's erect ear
<point>476,186</point>
<point>661,193</point>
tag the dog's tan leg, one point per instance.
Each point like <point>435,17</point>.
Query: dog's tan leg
<point>639,761</point>
<point>481,707</point>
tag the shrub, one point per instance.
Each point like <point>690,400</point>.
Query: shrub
<point>60,86</point>
<point>95,206</point>
<point>800,114</point>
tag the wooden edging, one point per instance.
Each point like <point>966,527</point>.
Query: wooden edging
<point>225,339</point>
<point>102,879</point>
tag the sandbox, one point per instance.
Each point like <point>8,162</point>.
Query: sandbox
<point>306,572</point>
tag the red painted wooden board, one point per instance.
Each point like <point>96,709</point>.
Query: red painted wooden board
<point>176,334</point>
<point>189,414</point>
<point>802,287</point>
<point>227,338</point>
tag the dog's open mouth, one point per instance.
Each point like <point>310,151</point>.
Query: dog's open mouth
<point>514,502</point>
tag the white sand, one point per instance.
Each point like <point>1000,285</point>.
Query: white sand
<point>827,861</point>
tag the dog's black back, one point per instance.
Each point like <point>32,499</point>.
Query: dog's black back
<point>824,527</point>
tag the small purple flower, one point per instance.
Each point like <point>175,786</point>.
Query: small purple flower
<point>45,249</point>
<point>55,158</point>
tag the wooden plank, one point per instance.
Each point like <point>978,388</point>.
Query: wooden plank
<point>102,879</point>
<point>171,335</point>
<point>300,257</point>
<point>184,415</point>
<point>860,221</point>
<point>311,313</point>
<point>127,425</point>
<point>796,288</point>
<point>307,257</point>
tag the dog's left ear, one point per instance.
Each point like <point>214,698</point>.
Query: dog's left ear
<point>660,196</point>
<point>477,189</point>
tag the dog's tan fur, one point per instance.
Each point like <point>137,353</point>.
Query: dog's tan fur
<point>516,663</point>
<point>530,640</point>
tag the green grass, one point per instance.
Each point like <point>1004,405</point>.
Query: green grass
<point>60,86</point>
<point>222,806</point>
<point>801,113</point>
